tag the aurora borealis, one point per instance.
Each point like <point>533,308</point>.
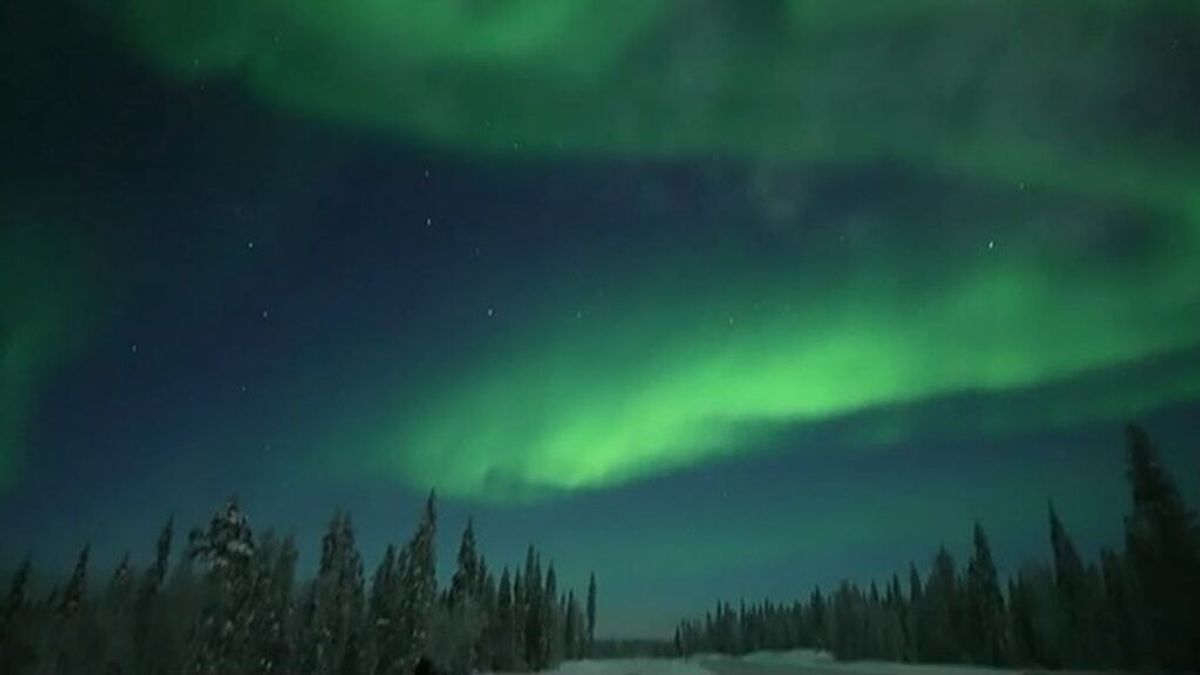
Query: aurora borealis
<point>569,259</point>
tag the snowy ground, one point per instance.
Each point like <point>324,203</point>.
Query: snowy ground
<point>801,662</point>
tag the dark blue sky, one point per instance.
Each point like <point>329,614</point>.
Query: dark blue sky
<point>208,295</point>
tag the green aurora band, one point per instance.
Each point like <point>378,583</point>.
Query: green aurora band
<point>1084,99</point>
<point>691,373</point>
<point>47,308</point>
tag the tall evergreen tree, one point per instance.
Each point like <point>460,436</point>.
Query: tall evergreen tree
<point>534,611</point>
<point>467,578</point>
<point>418,585</point>
<point>382,616</point>
<point>591,613</point>
<point>335,619</point>
<point>1163,547</point>
<point>551,620</point>
<point>985,619</point>
<point>505,658</point>
<point>1077,645</point>
<point>941,611</point>
<point>222,640</point>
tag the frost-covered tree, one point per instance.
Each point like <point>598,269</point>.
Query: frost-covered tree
<point>222,640</point>
<point>386,650</point>
<point>274,645</point>
<point>418,586</point>
<point>334,617</point>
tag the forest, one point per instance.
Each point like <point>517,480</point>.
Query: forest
<point>232,604</point>
<point>1132,609</point>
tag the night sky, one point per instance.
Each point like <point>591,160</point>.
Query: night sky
<point>714,298</point>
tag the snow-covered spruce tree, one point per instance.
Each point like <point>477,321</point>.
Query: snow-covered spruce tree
<point>1163,548</point>
<point>334,618</point>
<point>460,622</point>
<point>418,587</point>
<point>386,654</point>
<point>222,640</point>
<point>274,641</point>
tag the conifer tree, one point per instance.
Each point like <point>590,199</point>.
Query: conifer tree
<point>222,640</point>
<point>591,613</point>
<point>985,618</point>
<point>386,653</point>
<point>334,618</point>
<point>505,657</point>
<point>941,610</point>
<point>418,585</point>
<point>1163,547</point>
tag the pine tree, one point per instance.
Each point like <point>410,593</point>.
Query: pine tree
<point>76,589</point>
<point>985,619</point>
<point>418,585</point>
<point>148,599</point>
<point>387,656</point>
<point>273,648</point>
<point>505,657</point>
<point>226,626</point>
<point>1125,628</point>
<point>534,611</point>
<point>466,580</point>
<point>17,648</point>
<point>591,613</point>
<point>571,628</point>
<point>941,611</point>
<point>1070,578</point>
<point>551,628</point>
<point>334,618</point>
<point>1163,547</point>
<point>519,615</point>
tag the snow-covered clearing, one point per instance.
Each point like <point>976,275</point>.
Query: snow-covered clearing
<point>800,662</point>
<point>805,660</point>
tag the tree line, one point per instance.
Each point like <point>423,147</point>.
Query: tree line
<point>232,604</point>
<point>1135,608</point>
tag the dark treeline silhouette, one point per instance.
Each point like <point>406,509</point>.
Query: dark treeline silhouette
<point>1133,609</point>
<point>231,604</point>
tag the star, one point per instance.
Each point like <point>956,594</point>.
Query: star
<point>991,244</point>
<point>491,311</point>
<point>264,314</point>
